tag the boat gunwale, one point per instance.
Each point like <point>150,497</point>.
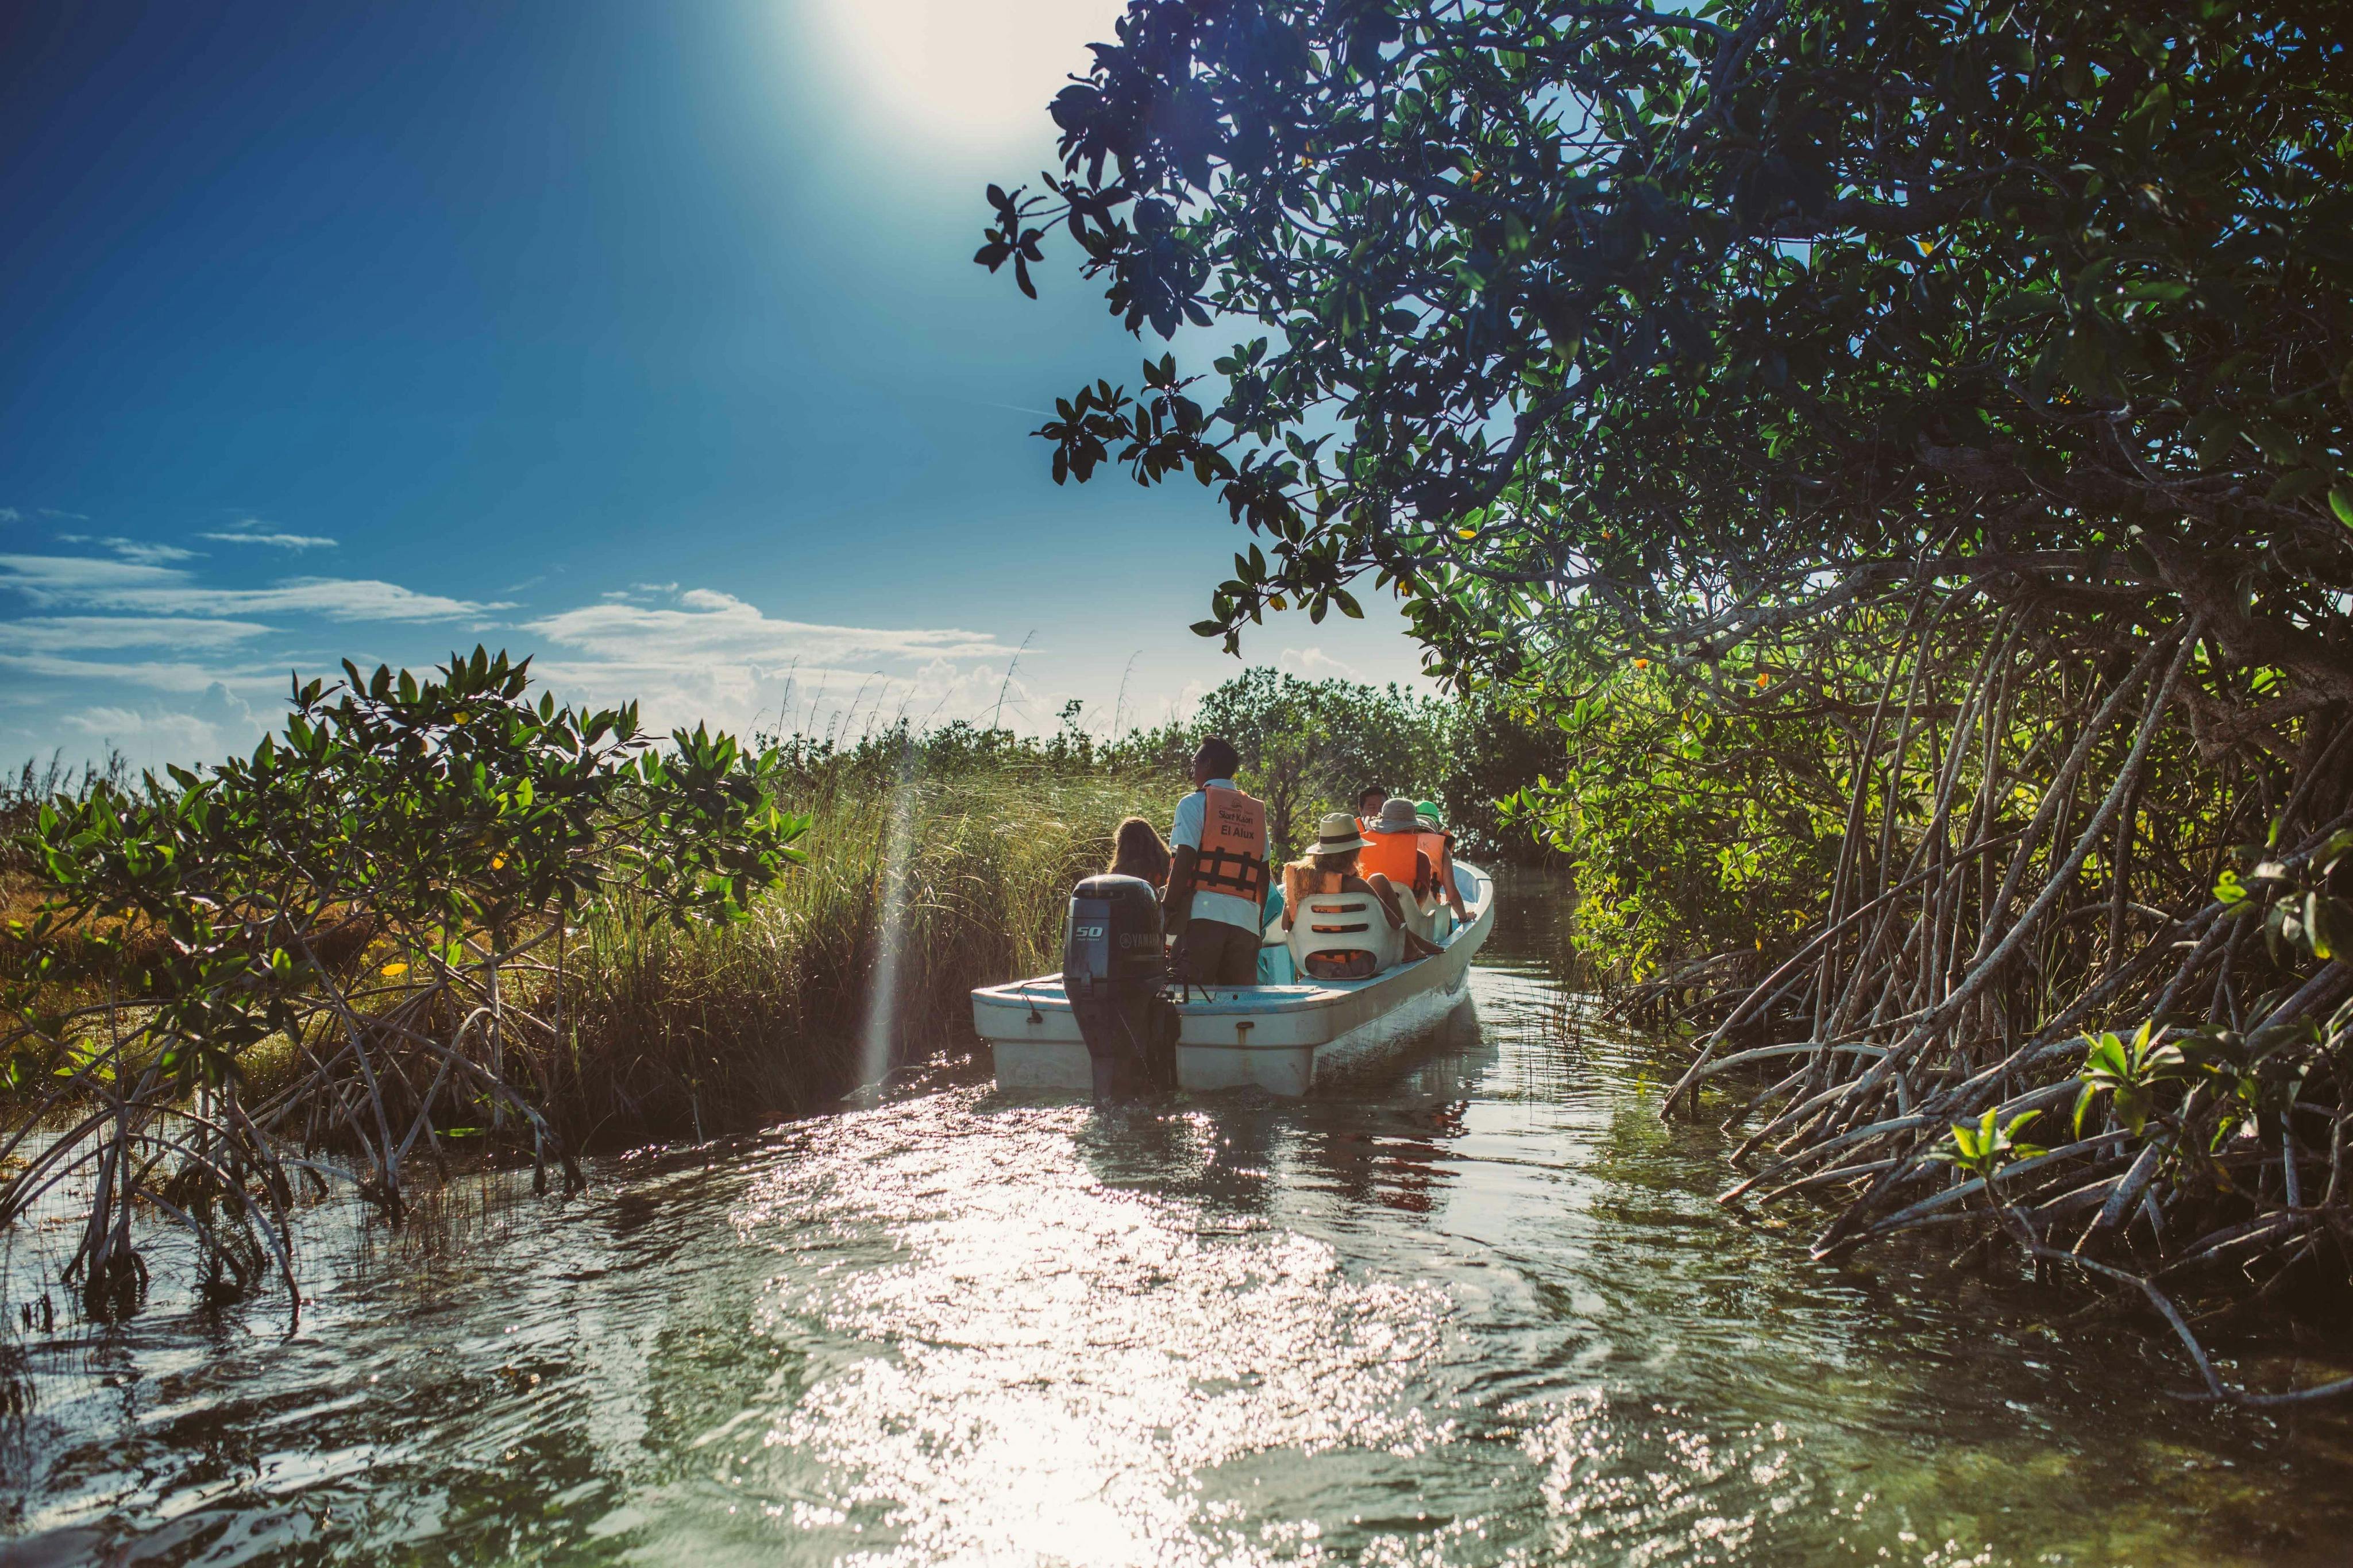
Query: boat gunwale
<point>1033,994</point>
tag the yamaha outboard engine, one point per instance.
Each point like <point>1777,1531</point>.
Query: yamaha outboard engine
<point>1113,972</point>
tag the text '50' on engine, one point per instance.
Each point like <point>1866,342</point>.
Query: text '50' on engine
<point>1114,973</point>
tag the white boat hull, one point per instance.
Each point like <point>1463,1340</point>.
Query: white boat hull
<point>1280,1039</point>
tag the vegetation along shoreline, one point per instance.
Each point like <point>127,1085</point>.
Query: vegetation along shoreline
<point>1875,483</point>
<point>1909,449</point>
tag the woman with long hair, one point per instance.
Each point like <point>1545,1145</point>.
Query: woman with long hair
<point>1136,850</point>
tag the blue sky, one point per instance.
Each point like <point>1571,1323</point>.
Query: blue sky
<point>641,337</point>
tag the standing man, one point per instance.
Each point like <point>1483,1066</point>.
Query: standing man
<point>1216,888</point>
<point>1368,807</point>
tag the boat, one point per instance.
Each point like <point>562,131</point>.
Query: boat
<point>1279,1038</point>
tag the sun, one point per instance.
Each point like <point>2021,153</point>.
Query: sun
<point>979,68</point>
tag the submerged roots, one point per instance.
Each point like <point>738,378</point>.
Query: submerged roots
<point>2027,940</point>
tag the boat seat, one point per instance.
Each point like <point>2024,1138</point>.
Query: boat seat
<point>1423,916</point>
<point>1432,920</point>
<point>1344,922</point>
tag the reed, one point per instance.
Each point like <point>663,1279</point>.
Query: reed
<point>694,1032</point>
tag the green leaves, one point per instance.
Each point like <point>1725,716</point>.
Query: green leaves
<point>2129,1074</point>
<point>2328,924</point>
<point>429,809</point>
<point>2298,900</point>
<point>1984,1148</point>
<point>1726,342</point>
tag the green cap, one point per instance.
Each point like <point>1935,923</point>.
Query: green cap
<point>1429,809</point>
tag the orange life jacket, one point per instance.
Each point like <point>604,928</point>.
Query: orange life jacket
<point>1393,856</point>
<point>1232,857</point>
<point>1440,847</point>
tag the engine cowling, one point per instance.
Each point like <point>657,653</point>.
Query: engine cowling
<point>1114,972</point>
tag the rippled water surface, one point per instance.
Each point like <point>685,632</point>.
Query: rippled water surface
<point>1479,1310</point>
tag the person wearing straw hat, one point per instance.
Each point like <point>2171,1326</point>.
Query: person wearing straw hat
<point>1330,867</point>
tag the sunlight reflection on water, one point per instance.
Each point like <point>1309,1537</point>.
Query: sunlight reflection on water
<point>1478,1309</point>
<point>1053,1358</point>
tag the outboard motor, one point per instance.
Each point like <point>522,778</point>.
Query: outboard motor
<point>1113,972</point>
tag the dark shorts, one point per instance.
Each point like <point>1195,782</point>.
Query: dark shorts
<point>1211,953</point>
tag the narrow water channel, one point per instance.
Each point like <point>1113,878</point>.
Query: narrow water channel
<point>1481,1310</point>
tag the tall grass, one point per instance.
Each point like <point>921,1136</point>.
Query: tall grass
<point>666,1032</point>
<point>938,860</point>
<point>690,1033</point>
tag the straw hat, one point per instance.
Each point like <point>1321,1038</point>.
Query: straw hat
<point>1338,835</point>
<point>1397,816</point>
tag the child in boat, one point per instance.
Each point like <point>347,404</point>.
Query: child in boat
<point>1136,850</point>
<point>1331,867</point>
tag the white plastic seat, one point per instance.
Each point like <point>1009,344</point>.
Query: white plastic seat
<point>1436,919</point>
<point>1344,922</point>
<point>1423,916</point>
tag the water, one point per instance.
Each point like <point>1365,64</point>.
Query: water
<point>1481,1310</point>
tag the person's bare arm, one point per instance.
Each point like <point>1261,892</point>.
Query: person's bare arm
<point>1381,888</point>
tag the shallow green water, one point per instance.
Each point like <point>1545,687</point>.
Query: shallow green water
<point>1482,1309</point>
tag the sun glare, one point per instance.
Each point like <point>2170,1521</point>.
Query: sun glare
<point>981,69</point>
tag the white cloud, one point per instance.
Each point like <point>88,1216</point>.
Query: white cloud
<point>712,628</point>
<point>136,650</point>
<point>154,675</point>
<point>218,721</point>
<point>72,633</point>
<point>51,578</point>
<point>338,598</point>
<point>146,553</point>
<point>118,725</point>
<point>276,541</point>
<point>133,650</point>
<point>1189,697</point>
<point>1314,664</point>
<point>10,514</point>
<point>709,655</point>
<point>91,583</point>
